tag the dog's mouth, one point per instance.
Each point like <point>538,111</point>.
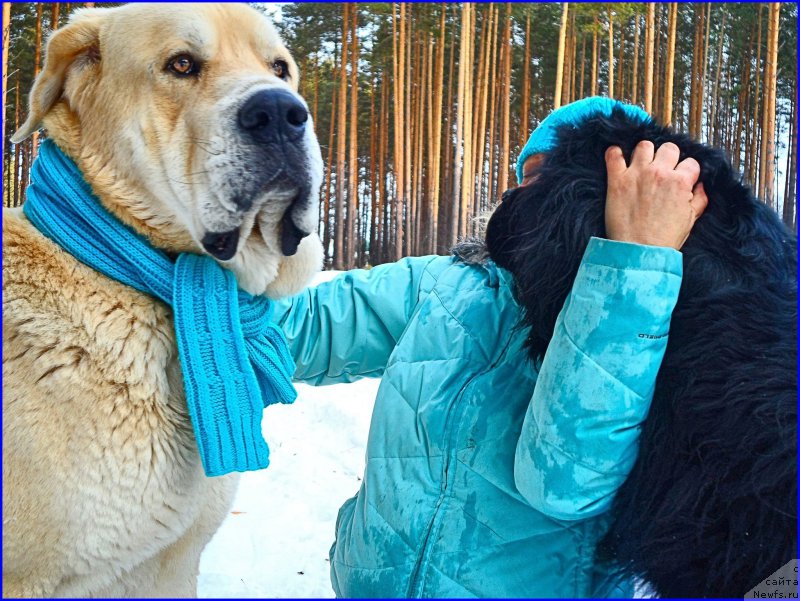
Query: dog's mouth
<point>221,245</point>
<point>291,234</point>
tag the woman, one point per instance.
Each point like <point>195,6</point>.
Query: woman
<point>487,475</point>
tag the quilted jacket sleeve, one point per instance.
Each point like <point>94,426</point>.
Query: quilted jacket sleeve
<point>345,329</point>
<point>580,435</point>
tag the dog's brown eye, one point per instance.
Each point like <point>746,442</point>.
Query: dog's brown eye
<point>281,68</point>
<point>183,64</point>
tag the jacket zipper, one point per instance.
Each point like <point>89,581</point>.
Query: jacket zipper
<point>417,581</point>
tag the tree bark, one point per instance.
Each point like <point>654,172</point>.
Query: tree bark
<point>398,58</point>
<point>6,41</point>
<point>649,57</point>
<point>526,83</point>
<point>594,56</point>
<point>583,77</point>
<point>560,60</point>
<point>753,156</point>
<point>339,257</point>
<point>713,137</point>
<point>770,81</point>
<point>355,201</point>
<point>635,74</point>
<point>610,53</point>
<point>437,123</point>
<point>55,10</point>
<point>505,150</point>
<point>458,164</point>
<point>670,71</point>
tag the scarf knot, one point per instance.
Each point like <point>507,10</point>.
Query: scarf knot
<point>234,359</point>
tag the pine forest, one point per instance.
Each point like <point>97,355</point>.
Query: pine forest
<point>422,108</point>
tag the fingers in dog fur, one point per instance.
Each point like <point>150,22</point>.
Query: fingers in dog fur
<point>690,168</point>
<point>643,153</point>
<point>668,155</point>
<point>615,161</point>
<point>699,200</point>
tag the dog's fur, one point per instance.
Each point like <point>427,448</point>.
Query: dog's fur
<point>104,494</point>
<point>710,506</point>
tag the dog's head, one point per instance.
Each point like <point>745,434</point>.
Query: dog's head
<point>186,121</point>
<point>540,231</point>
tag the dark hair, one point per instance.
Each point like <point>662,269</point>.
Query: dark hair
<point>710,505</point>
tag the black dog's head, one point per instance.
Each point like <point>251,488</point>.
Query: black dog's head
<point>539,232</point>
<point>709,508</point>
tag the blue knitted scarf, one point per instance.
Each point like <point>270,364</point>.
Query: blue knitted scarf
<point>234,360</point>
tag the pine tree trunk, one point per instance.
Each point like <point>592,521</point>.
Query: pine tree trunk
<point>573,69</point>
<point>649,57</point>
<point>437,124</point>
<point>610,52</point>
<point>657,56</point>
<point>754,154</point>
<point>54,15</point>
<point>466,173</point>
<point>566,91</point>
<point>407,147</point>
<point>505,150</point>
<point>399,125</point>
<point>701,107</point>
<point>326,219</point>
<point>560,60</point>
<point>374,151</point>
<point>380,217</point>
<point>6,41</point>
<point>353,197</point>
<point>339,257</point>
<point>17,147</point>
<point>37,60</point>
<point>526,84</point>
<point>635,75</point>
<point>621,62</point>
<point>770,81</point>
<point>594,56</point>
<point>493,110</point>
<point>583,75</point>
<point>477,114</point>
<point>713,137</point>
<point>670,66</point>
<point>459,139</point>
<point>447,174</point>
<point>482,88</point>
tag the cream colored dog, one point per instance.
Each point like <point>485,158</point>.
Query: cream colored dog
<point>186,121</point>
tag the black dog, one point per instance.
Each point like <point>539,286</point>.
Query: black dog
<point>710,506</point>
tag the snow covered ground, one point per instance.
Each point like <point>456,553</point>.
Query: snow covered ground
<point>276,539</point>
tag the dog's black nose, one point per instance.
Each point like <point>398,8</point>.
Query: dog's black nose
<point>272,116</point>
<point>221,245</point>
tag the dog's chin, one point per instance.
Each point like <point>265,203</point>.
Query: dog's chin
<point>261,268</point>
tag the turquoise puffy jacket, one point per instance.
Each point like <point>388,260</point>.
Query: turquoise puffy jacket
<point>485,475</point>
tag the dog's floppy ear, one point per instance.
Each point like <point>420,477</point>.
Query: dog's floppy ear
<point>78,39</point>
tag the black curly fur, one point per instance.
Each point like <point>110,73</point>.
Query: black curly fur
<point>710,507</point>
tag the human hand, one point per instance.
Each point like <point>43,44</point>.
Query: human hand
<point>655,200</point>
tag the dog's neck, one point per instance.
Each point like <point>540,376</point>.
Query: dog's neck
<point>122,196</point>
